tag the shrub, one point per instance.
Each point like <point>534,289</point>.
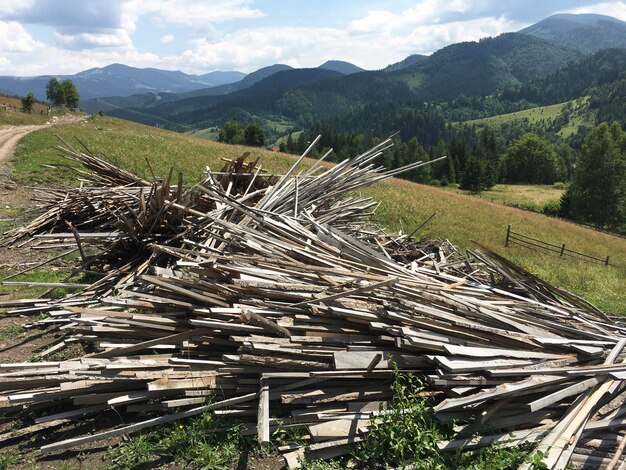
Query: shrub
<point>552,208</point>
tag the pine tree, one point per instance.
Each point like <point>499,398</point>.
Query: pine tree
<point>473,179</point>
<point>598,192</point>
<point>27,103</point>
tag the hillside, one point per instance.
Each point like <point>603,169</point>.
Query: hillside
<point>11,115</point>
<point>404,205</point>
<point>306,96</point>
<point>147,100</point>
<point>561,119</point>
<point>479,68</point>
<point>120,80</point>
<point>587,33</point>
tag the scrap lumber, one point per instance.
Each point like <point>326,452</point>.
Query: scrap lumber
<point>276,300</point>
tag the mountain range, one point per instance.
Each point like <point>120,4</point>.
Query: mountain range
<point>119,80</point>
<point>302,96</point>
<point>338,89</point>
<point>123,80</point>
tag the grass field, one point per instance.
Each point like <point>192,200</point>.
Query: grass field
<point>533,115</point>
<point>404,205</point>
<point>533,196</point>
<point>13,116</point>
<point>210,133</point>
<point>567,124</point>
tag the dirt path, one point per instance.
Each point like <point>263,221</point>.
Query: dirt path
<point>11,135</point>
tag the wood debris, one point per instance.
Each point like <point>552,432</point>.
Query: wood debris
<point>277,299</point>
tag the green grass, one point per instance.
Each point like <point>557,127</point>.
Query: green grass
<point>461,218</point>
<point>129,145</point>
<point>210,133</point>
<point>283,139</point>
<point>532,196</point>
<point>407,434</point>
<point>192,443</point>
<point>279,124</point>
<point>10,332</point>
<point>404,205</point>
<point>533,115</point>
<point>37,275</point>
<point>576,114</point>
<point>13,116</point>
<point>8,460</point>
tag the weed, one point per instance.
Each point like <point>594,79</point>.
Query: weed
<point>10,332</point>
<point>406,433</point>
<point>321,465</point>
<point>490,458</point>
<point>134,452</point>
<point>197,443</point>
<point>8,460</point>
<point>206,442</point>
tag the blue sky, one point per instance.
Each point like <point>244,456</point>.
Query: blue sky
<point>67,36</point>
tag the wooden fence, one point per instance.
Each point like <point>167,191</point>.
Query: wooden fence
<point>539,245</point>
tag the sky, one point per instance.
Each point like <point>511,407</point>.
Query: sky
<point>39,37</point>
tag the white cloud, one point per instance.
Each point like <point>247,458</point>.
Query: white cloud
<point>423,13</point>
<point>195,13</point>
<point>309,47</point>
<point>14,38</point>
<point>116,38</point>
<point>167,39</point>
<point>10,7</point>
<point>614,9</point>
<point>54,60</point>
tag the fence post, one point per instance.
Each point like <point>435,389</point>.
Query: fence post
<point>606,261</point>
<point>508,234</point>
<point>562,249</point>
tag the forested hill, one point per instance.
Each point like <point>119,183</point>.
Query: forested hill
<point>308,95</point>
<point>585,33</point>
<point>573,80</point>
<point>480,68</point>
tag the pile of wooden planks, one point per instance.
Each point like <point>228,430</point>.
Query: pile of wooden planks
<point>274,300</point>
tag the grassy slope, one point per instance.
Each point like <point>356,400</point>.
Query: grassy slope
<point>579,115</point>
<point>13,116</point>
<point>403,204</point>
<point>533,115</point>
<point>517,195</point>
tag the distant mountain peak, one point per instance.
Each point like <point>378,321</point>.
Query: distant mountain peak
<point>122,80</point>
<point>583,18</point>
<point>585,32</point>
<point>341,66</point>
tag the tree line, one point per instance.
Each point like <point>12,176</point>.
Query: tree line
<point>596,178</point>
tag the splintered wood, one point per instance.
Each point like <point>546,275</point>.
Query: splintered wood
<point>273,299</point>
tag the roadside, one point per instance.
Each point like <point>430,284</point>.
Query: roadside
<point>18,341</point>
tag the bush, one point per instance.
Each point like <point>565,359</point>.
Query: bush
<point>435,183</point>
<point>560,185</point>
<point>406,433</point>
<point>27,103</point>
<point>552,208</point>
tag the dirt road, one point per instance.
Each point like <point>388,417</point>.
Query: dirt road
<point>10,136</point>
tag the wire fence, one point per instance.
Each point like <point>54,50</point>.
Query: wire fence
<point>540,245</point>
